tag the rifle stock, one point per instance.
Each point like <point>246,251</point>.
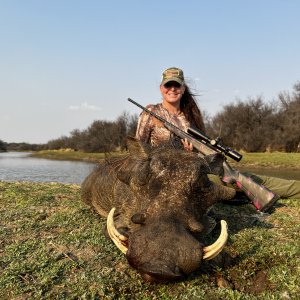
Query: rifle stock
<point>261,196</point>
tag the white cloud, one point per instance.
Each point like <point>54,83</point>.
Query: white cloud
<point>85,107</point>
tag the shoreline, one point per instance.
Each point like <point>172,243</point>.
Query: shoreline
<point>75,155</point>
<point>274,160</point>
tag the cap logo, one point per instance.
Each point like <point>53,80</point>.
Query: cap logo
<point>172,73</point>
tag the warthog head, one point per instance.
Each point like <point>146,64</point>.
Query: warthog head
<point>159,199</point>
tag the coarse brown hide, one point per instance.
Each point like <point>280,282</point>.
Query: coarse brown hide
<point>161,196</point>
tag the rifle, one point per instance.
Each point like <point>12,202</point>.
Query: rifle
<point>261,196</point>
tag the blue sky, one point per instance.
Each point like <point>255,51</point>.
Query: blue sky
<point>66,63</point>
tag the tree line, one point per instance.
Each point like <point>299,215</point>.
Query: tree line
<point>100,136</point>
<point>251,125</point>
<point>256,126</point>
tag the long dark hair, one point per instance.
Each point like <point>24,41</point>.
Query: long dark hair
<point>191,110</point>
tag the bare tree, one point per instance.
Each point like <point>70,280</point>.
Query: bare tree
<point>290,118</point>
<point>246,125</point>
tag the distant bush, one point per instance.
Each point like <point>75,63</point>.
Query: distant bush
<point>24,147</point>
<point>2,146</point>
<point>100,136</point>
<point>256,126</point>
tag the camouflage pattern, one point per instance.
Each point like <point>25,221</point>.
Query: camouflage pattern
<point>172,74</point>
<point>152,131</point>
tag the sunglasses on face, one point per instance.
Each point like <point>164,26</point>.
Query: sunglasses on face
<point>171,84</point>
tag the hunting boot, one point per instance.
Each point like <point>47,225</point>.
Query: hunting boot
<point>262,198</point>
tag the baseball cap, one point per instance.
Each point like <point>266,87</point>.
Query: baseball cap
<point>172,74</point>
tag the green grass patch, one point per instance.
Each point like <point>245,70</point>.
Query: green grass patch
<point>274,159</point>
<point>52,247</point>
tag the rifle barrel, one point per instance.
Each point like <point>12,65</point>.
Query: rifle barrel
<point>193,134</point>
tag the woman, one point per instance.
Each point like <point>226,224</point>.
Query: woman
<point>179,107</point>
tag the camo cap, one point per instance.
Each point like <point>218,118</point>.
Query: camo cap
<point>172,74</point>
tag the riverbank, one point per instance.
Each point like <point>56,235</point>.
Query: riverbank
<point>74,155</point>
<point>52,247</point>
<point>253,160</point>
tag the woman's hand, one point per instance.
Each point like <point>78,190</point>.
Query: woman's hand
<point>186,145</point>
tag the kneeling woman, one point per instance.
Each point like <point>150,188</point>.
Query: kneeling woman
<point>179,107</point>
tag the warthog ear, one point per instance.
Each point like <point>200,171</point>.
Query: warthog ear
<point>137,163</point>
<point>134,169</point>
<point>137,148</point>
<point>143,173</point>
<point>215,163</point>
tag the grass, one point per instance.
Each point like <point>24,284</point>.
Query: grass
<point>52,247</point>
<point>273,159</point>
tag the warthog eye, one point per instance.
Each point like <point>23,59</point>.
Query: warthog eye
<point>138,218</point>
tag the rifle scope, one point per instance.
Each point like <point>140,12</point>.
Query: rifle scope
<point>216,144</point>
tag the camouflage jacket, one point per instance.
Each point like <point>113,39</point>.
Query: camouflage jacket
<point>152,131</point>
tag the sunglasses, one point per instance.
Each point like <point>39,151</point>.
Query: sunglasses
<point>171,84</point>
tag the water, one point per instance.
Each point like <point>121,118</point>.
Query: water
<point>19,166</point>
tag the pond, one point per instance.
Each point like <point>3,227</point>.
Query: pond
<point>19,166</point>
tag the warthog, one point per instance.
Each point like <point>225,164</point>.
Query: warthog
<point>155,201</point>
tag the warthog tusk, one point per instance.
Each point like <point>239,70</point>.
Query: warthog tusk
<point>114,234</point>
<point>214,249</point>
